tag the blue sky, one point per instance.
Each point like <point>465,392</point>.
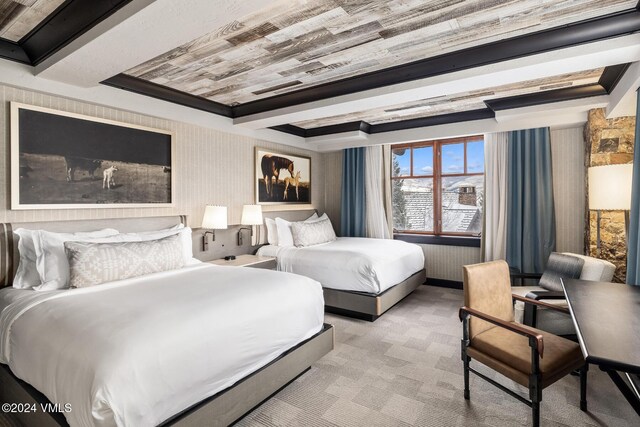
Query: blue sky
<point>452,159</point>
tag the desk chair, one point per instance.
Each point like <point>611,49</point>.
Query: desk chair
<point>533,358</point>
<point>549,289</point>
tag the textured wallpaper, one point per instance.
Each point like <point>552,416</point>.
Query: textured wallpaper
<point>211,167</point>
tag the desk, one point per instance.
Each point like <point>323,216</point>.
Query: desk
<point>607,321</point>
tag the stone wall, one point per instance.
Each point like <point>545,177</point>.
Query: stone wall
<point>608,142</point>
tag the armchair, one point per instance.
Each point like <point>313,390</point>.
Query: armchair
<point>549,290</point>
<point>492,337</point>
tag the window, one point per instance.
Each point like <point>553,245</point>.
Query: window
<point>437,187</point>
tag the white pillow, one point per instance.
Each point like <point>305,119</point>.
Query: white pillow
<point>317,218</point>
<point>51,260</point>
<point>309,233</point>
<point>27,275</point>
<point>313,217</point>
<point>272,231</point>
<point>285,238</point>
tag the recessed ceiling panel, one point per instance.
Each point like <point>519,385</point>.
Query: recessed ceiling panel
<point>465,101</point>
<point>294,45</point>
<point>19,17</point>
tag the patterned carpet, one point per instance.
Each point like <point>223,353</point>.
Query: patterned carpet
<point>405,370</point>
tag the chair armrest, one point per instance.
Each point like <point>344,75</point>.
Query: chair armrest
<point>538,295</point>
<point>513,327</point>
<point>541,304</point>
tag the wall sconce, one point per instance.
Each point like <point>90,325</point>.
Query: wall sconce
<point>214,218</point>
<point>251,215</point>
<point>610,190</point>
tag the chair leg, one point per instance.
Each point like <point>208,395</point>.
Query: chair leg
<point>466,377</point>
<point>535,394</point>
<point>583,387</point>
<point>535,413</point>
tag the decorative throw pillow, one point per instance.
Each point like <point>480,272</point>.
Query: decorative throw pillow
<point>91,264</point>
<point>312,233</point>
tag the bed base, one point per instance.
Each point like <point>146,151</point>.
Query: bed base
<point>370,306</point>
<point>221,409</point>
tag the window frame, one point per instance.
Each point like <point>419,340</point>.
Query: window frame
<point>436,176</point>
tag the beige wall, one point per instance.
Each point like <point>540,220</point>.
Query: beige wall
<point>211,167</point>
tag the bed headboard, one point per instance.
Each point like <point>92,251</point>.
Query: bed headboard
<point>290,215</point>
<point>9,256</point>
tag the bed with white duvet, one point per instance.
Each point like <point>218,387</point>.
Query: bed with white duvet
<point>351,263</point>
<point>361,277</point>
<point>138,351</point>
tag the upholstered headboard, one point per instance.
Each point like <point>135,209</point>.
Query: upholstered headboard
<point>9,256</point>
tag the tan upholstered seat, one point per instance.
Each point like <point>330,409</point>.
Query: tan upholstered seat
<point>510,354</point>
<point>491,336</point>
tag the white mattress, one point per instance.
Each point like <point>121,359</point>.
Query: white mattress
<point>352,263</point>
<point>137,351</point>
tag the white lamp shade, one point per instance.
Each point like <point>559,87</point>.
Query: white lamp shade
<point>251,215</point>
<point>215,217</point>
<point>610,187</point>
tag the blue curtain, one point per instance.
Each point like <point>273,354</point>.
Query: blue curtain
<point>531,225</point>
<point>633,245</point>
<point>352,216</point>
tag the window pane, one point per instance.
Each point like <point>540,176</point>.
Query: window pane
<point>423,161</point>
<point>475,157</point>
<point>452,158</point>
<point>401,162</point>
<point>412,201</point>
<point>462,199</point>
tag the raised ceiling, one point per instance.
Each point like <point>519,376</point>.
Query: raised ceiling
<point>19,17</point>
<point>294,45</point>
<point>459,102</point>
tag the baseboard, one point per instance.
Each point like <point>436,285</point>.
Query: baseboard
<point>443,283</point>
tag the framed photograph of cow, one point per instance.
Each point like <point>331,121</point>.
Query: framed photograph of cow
<point>282,178</point>
<point>63,160</point>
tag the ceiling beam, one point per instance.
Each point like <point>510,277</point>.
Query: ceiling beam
<point>588,31</point>
<point>623,97</point>
<point>138,32</point>
<point>21,76</point>
<point>567,113</point>
<point>577,58</point>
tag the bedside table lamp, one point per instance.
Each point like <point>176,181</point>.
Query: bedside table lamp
<point>215,218</point>
<point>610,190</point>
<point>251,215</point>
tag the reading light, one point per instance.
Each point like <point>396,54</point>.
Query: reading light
<point>251,215</point>
<point>610,190</point>
<point>214,218</point>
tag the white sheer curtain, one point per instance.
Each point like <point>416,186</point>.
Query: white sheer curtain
<point>376,218</point>
<point>494,234</point>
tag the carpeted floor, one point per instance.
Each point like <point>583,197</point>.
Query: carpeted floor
<point>405,370</point>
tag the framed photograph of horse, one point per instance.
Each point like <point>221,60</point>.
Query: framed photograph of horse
<point>282,178</point>
<point>63,160</point>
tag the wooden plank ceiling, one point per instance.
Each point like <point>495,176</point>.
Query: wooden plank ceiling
<point>459,102</point>
<point>297,44</point>
<point>19,17</point>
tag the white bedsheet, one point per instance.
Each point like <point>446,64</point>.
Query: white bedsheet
<point>137,351</point>
<point>11,294</point>
<point>351,263</point>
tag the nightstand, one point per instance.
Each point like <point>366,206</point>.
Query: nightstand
<point>254,261</point>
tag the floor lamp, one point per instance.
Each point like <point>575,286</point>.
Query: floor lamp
<point>610,190</point>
